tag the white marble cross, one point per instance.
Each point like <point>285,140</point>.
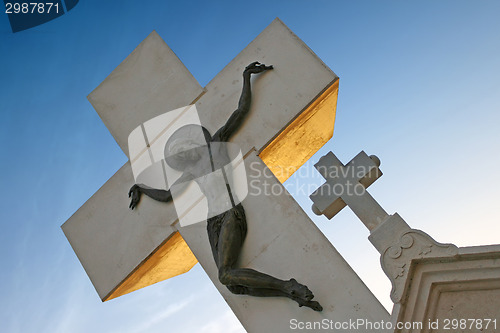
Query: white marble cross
<point>347,185</point>
<point>291,117</point>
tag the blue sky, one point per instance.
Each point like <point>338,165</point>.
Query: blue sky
<point>419,88</point>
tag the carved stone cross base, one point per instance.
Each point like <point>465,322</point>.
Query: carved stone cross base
<point>398,245</point>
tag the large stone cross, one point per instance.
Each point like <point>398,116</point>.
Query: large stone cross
<point>291,117</point>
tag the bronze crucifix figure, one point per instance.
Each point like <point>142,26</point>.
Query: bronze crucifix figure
<point>226,231</point>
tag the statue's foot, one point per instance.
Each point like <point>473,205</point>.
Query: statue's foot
<point>310,304</point>
<point>299,291</point>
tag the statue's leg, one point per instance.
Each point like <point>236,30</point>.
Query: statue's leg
<point>261,292</point>
<point>213,230</point>
<point>230,241</point>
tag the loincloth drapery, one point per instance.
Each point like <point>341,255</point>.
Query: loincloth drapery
<point>214,225</point>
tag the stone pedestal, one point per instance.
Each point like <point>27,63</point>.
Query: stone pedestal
<point>459,293</point>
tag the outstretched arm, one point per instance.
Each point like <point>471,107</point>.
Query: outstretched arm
<point>236,119</point>
<point>137,190</point>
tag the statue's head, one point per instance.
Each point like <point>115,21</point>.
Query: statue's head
<point>186,146</point>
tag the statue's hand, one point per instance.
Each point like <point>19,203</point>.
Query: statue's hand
<point>135,194</point>
<point>257,67</point>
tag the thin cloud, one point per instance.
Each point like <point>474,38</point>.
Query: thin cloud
<point>227,323</point>
<point>160,316</point>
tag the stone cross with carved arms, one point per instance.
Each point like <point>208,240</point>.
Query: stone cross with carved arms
<point>291,117</point>
<point>397,243</point>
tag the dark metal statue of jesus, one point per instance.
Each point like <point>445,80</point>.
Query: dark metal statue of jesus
<point>226,231</point>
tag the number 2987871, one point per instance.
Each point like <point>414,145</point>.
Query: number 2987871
<point>31,7</point>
